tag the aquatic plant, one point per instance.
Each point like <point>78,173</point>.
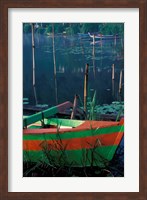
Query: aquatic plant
<point>92,110</point>
<point>113,108</point>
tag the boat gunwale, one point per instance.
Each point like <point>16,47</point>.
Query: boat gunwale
<point>83,127</point>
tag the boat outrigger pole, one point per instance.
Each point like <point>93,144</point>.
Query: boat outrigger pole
<point>33,56</point>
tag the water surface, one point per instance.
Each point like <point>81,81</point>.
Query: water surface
<point>72,53</point>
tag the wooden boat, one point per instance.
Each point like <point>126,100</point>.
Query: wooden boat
<point>101,36</point>
<point>83,35</point>
<point>76,143</point>
<point>63,110</point>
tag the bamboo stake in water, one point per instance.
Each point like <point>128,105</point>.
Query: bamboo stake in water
<point>115,40</point>
<point>74,107</point>
<point>54,59</point>
<point>93,39</point>
<point>113,72</point>
<point>93,52</point>
<point>122,46</point>
<point>86,87</point>
<point>120,82</point>
<point>101,41</point>
<point>93,57</point>
<point>113,88</point>
<point>33,55</point>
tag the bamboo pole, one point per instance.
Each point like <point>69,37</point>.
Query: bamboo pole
<point>115,40</point>
<point>54,60</point>
<point>93,39</point>
<point>94,68</point>
<point>113,72</point>
<point>86,87</point>
<point>113,88</point>
<point>122,46</point>
<point>101,41</point>
<point>33,56</point>
<point>93,52</point>
<point>120,82</point>
<point>93,57</point>
<point>74,107</point>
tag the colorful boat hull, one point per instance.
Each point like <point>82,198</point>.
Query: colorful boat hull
<point>72,142</point>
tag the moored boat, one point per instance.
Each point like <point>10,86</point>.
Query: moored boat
<point>83,35</point>
<point>101,36</point>
<point>76,143</point>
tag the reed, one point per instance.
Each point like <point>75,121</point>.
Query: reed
<point>92,107</point>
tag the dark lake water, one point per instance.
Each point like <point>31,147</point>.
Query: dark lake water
<point>72,54</point>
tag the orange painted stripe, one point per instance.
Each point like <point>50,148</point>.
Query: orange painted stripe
<point>75,143</point>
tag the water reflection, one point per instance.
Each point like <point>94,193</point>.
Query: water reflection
<point>72,53</point>
<point>61,69</point>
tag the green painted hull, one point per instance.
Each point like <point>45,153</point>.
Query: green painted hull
<point>74,158</point>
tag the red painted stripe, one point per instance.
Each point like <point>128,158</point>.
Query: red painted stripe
<point>46,130</point>
<point>121,121</point>
<point>87,125</point>
<point>74,144</point>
